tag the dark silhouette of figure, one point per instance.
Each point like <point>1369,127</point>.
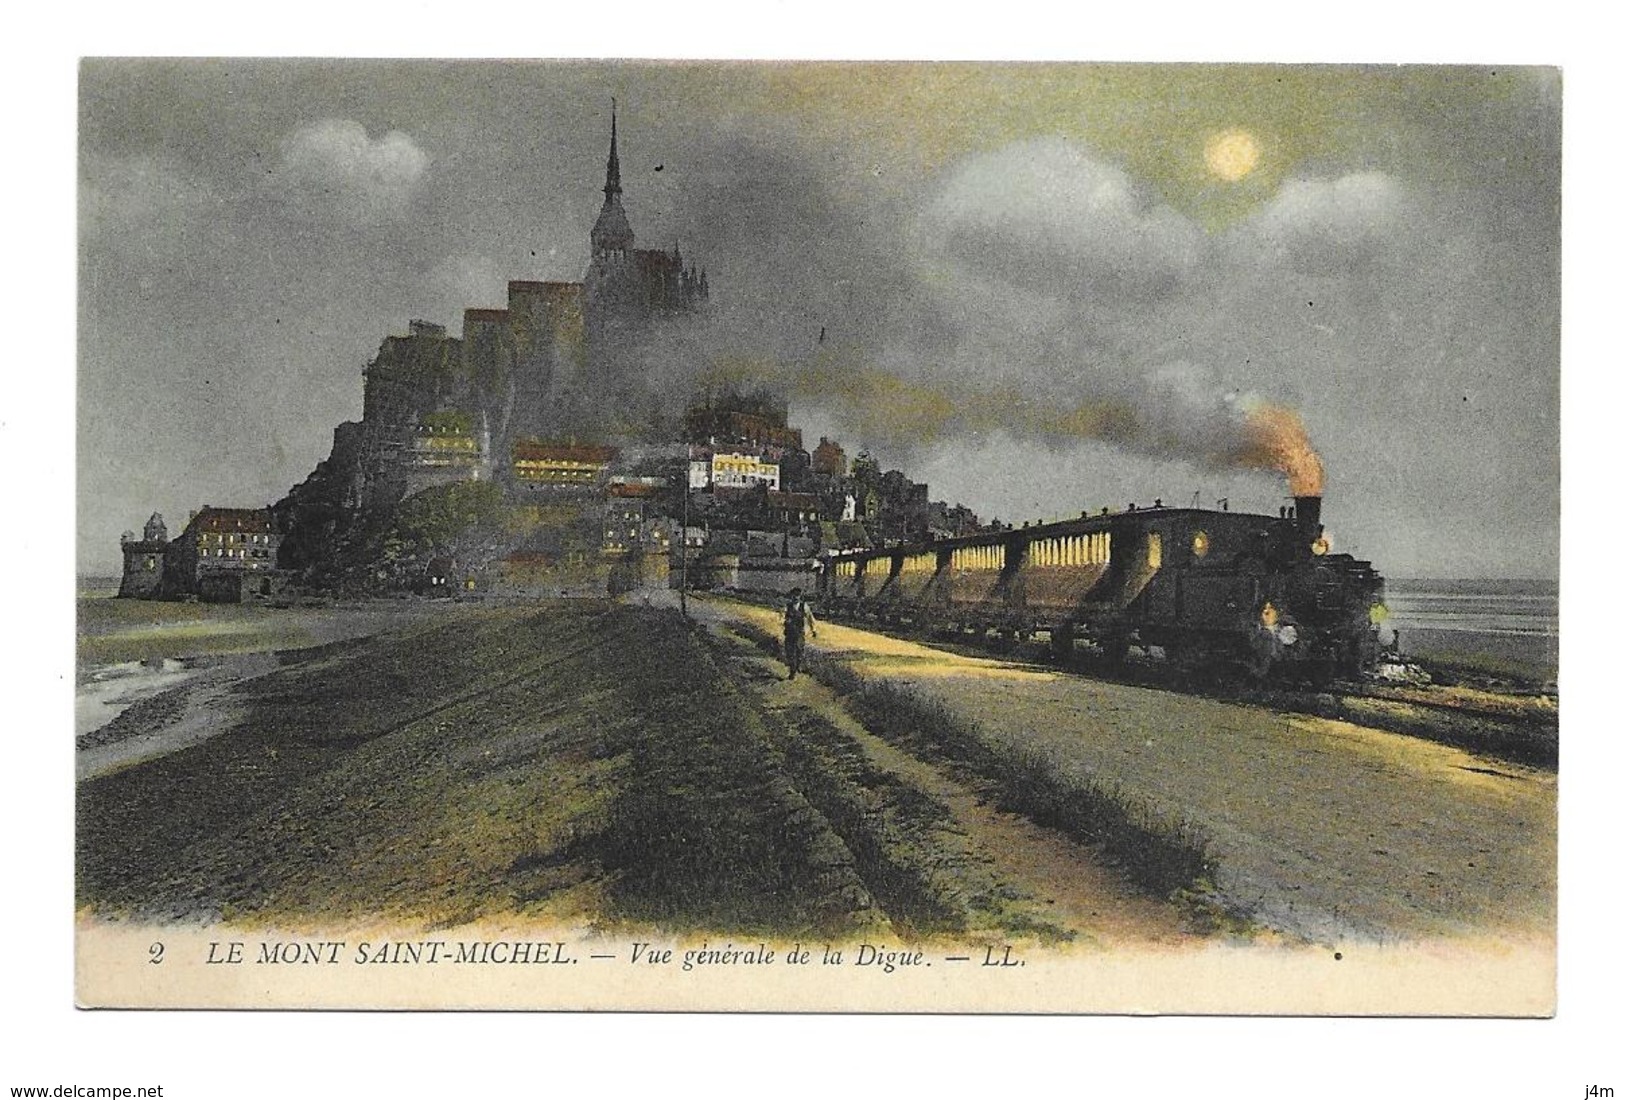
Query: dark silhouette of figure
<point>798,621</point>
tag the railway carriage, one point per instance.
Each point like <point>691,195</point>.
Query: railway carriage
<point>1206,587</point>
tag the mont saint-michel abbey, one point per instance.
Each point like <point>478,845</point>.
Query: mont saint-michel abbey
<point>544,439</point>
<point>536,399</point>
<point>560,364</point>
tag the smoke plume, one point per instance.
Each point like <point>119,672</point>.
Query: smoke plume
<point>1176,414</point>
<point>1009,299</point>
<point>1275,439</point>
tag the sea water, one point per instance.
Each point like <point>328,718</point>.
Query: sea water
<point>1513,619</point>
<point>104,692</point>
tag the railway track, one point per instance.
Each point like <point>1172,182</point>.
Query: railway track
<point>1520,726</point>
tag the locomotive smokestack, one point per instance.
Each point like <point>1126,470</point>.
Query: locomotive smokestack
<point>1307,510</point>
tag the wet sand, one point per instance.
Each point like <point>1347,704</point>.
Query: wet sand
<point>175,664</point>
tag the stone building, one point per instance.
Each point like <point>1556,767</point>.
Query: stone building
<point>144,561</point>
<point>225,555</point>
<point>731,469</point>
<point>632,523</point>
<point>829,458</point>
<point>553,468</point>
<point>740,419</point>
<point>446,447</point>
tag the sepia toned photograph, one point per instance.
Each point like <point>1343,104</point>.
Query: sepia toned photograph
<point>817,537</point>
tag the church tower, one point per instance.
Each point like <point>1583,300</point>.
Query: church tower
<point>612,233</point>
<point>613,289</point>
<point>627,293</point>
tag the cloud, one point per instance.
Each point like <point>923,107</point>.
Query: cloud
<point>1078,307</point>
<point>1328,226</point>
<point>334,164</point>
<point>1048,215</point>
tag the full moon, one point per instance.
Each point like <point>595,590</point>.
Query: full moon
<point>1231,154</point>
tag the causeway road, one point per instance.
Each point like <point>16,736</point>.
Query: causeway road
<point>1318,829</point>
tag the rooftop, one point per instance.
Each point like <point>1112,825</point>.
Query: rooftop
<point>231,519</point>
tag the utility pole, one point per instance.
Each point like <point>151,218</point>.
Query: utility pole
<point>682,539</point>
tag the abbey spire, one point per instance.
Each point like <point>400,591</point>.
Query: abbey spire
<point>626,288</point>
<point>612,176</point>
<point>612,233</point>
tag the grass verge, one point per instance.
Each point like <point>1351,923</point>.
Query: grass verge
<point>1165,857</point>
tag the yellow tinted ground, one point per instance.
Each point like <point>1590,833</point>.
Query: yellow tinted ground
<point>1320,828</point>
<point>1044,877</point>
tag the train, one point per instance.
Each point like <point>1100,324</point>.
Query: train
<point>1200,587</point>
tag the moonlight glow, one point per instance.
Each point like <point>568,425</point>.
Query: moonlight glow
<point>1232,154</point>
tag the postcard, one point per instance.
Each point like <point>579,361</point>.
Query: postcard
<point>815,536</point>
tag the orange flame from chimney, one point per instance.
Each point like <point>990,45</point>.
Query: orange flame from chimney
<point>1275,439</point>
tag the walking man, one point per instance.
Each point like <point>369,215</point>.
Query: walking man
<point>798,620</point>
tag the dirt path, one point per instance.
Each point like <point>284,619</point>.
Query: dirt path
<point>995,872</point>
<point>1319,828</point>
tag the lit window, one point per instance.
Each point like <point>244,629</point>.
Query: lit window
<point>1153,551</point>
<point>1199,544</point>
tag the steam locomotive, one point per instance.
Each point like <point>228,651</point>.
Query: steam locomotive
<point>1209,588</point>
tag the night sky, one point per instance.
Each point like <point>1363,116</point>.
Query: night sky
<point>988,252</point>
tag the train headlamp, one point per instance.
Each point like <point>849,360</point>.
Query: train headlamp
<point>1320,546</point>
<point>1268,617</point>
<point>1379,612</point>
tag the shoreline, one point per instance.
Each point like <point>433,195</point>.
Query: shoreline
<point>152,677</point>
